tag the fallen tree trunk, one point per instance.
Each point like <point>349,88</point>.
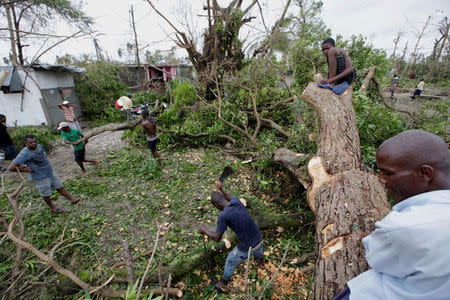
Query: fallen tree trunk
<point>346,199</point>
<point>111,127</point>
<point>180,269</point>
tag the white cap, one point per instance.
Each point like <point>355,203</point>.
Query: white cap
<point>65,102</point>
<point>62,125</point>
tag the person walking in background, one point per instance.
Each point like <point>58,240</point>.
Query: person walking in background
<point>33,160</point>
<point>419,89</point>
<point>6,143</point>
<point>394,84</point>
<point>72,137</point>
<point>69,114</point>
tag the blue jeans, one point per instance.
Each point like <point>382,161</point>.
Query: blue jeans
<point>337,89</point>
<point>236,257</point>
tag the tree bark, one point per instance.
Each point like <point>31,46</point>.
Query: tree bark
<point>338,142</point>
<point>347,200</point>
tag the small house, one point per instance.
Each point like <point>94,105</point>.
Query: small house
<point>30,95</point>
<point>154,76</point>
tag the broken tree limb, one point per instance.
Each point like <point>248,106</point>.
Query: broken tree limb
<point>197,135</point>
<point>302,259</point>
<point>129,262</point>
<point>111,127</point>
<point>276,126</point>
<point>366,81</point>
<point>347,199</point>
<point>121,293</point>
<point>180,269</point>
<point>385,102</point>
<point>292,161</point>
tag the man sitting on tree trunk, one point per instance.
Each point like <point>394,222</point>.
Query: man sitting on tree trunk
<point>408,251</point>
<point>341,71</point>
<point>234,215</point>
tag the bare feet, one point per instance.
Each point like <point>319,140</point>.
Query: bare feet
<point>95,163</point>
<point>76,201</point>
<point>57,210</point>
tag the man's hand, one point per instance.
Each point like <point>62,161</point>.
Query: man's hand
<point>218,185</point>
<point>201,229</point>
<point>324,81</point>
<point>363,235</point>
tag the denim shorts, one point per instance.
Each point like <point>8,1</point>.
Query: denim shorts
<point>235,257</point>
<point>46,185</point>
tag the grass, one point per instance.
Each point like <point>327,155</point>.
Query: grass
<point>125,199</point>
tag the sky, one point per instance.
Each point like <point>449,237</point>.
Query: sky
<point>378,20</point>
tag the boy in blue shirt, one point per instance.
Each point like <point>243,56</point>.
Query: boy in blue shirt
<point>72,137</point>
<point>234,215</point>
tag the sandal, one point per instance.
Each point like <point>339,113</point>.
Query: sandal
<point>220,287</point>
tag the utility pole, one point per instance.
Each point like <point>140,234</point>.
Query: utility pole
<point>136,48</point>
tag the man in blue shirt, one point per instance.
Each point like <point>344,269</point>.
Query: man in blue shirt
<point>234,215</point>
<point>33,160</point>
<point>408,251</point>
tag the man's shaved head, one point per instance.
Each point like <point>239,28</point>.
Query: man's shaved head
<point>414,162</point>
<point>413,148</point>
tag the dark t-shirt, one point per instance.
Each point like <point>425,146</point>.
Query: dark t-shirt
<point>239,220</point>
<point>5,139</point>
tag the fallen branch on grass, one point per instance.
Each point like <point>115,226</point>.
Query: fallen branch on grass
<point>197,135</point>
<point>180,269</point>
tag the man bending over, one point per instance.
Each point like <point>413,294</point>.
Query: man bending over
<point>234,215</point>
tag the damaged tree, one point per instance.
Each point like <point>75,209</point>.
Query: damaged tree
<point>346,199</point>
<point>222,50</point>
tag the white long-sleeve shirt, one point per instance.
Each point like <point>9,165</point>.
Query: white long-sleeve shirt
<point>409,252</point>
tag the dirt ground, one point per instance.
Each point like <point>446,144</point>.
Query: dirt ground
<point>62,158</point>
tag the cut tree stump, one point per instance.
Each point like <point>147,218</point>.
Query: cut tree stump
<point>346,199</point>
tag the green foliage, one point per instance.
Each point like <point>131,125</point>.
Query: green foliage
<point>376,123</point>
<point>44,135</point>
<point>364,55</point>
<point>98,89</point>
<point>432,116</point>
